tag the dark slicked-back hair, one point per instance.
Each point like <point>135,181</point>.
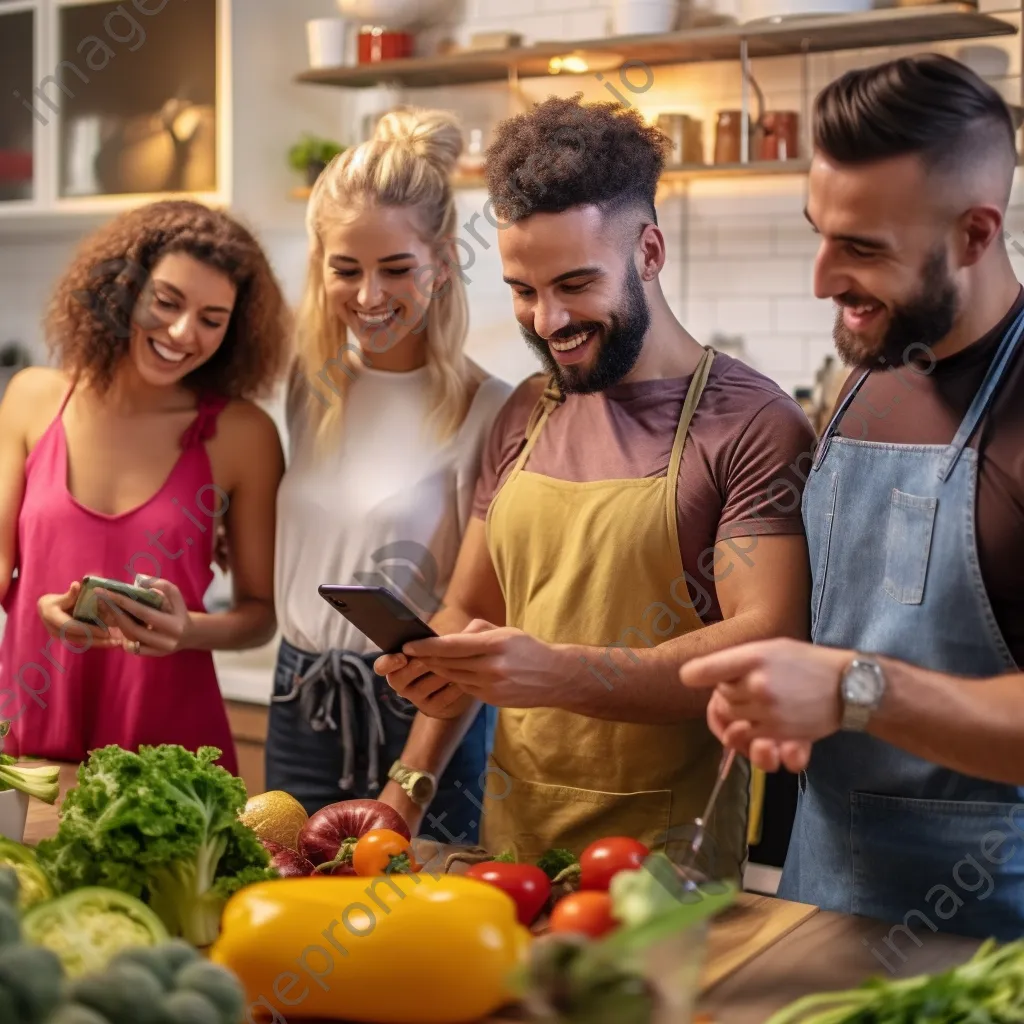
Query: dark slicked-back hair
<point>565,153</point>
<point>928,105</point>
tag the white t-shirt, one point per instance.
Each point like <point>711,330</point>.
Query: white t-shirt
<point>385,507</point>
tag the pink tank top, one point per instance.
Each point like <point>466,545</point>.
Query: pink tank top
<point>64,701</point>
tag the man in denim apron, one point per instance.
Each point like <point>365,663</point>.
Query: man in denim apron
<point>911,809</point>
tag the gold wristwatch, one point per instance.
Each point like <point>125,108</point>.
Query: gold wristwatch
<point>420,785</point>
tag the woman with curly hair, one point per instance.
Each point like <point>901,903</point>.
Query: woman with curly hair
<point>123,462</point>
<point>387,421</point>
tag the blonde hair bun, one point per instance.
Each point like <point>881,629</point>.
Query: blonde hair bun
<point>434,135</point>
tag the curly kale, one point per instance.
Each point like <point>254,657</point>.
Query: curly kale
<point>554,862</point>
<point>161,825</point>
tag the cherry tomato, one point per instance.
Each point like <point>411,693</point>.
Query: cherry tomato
<point>528,886</point>
<point>604,859</point>
<point>381,851</point>
<point>583,913</point>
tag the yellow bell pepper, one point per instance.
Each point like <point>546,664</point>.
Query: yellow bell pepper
<point>404,949</point>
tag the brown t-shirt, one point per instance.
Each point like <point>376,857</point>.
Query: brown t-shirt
<point>924,403</point>
<point>741,473</point>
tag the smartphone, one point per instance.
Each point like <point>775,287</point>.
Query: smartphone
<point>86,609</point>
<point>378,615</point>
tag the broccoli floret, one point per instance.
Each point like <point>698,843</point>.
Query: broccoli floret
<point>161,825</point>
<point>191,1008</point>
<point>10,925</point>
<point>177,954</point>
<point>217,985</point>
<point>506,857</point>
<point>125,994</point>
<point>152,959</point>
<point>554,862</point>
<point>73,1013</point>
<point>30,981</point>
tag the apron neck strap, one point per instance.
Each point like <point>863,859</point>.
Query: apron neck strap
<point>550,399</point>
<point>983,399</point>
<point>826,437</point>
<point>693,394</point>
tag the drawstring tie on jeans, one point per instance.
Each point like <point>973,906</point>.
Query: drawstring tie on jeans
<point>331,683</point>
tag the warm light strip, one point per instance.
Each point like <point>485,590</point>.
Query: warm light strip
<point>580,62</point>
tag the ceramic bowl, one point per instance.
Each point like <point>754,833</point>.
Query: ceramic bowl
<point>13,814</point>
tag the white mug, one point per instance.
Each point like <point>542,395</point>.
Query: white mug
<point>328,42</point>
<point>644,17</point>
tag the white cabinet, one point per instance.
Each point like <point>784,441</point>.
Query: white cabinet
<point>106,105</point>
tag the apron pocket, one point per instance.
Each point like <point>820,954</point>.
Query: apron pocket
<point>535,816</point>
<point>938,865</point>
<point>908,542</point>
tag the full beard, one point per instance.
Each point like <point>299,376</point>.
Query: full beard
<point>920,323</point>
<point>619,343</point>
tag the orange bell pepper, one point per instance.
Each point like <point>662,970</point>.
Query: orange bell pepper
<point>399,949</point>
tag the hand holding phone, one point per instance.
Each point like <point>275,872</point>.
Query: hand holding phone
<point>378,614</point>
<point>87,605</point>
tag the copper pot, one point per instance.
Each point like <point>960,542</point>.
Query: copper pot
<point>780,136</point>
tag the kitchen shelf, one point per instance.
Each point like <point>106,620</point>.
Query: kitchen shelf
<point>671,173</point>
<point>776,37</point>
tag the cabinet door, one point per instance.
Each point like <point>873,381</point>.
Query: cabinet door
<point>138,97</point>
<point>19,36</point>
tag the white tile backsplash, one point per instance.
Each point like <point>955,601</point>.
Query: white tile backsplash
<point>743,237</point>
<point>802,316</point>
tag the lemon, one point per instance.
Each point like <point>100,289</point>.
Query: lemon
<point>276,816</point>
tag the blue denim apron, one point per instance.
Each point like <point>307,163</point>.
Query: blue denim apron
<point>879,832</point>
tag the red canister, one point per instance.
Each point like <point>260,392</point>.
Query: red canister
<point>377,43</point>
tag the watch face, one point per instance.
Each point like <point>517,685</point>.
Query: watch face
<point>862,684</point>
<point>422,789</point>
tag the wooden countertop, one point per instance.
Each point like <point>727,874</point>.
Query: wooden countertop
<point>826,952</point>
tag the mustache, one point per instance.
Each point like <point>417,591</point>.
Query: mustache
<point>563,333</point>
<point>852,300</point>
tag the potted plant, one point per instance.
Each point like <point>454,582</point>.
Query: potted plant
<point>17,785</point>
<point>311,154</point>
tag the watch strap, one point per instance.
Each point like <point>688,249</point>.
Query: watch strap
<point>407,778</point>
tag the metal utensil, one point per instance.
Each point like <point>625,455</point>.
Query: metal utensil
<point>728,756</point>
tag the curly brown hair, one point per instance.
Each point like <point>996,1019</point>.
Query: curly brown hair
<point>89,320</point>
<point>565,153</point>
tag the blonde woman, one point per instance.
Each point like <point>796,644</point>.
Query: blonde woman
<point>387,419</point>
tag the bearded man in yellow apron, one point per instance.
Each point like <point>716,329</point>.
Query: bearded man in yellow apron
<point>638,505</point>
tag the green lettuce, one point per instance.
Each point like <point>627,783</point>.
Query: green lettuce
<point>161,825</point>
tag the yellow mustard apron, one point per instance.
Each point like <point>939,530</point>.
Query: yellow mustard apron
<point>599,564</point>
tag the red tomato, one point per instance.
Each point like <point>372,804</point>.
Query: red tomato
<point>528,886</point>
<point>584,913</point>
<point>604,859</point>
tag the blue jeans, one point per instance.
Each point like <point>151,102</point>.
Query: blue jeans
<point>335,729</point>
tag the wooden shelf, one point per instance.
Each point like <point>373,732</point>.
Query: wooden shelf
<point>672,173</point>
<point>895,26</point>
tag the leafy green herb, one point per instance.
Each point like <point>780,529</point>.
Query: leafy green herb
<point>988,989</point>
<point>554,862</point>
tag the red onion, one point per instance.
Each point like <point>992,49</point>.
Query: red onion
<point>330,835</point>
<point>287,863</point>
